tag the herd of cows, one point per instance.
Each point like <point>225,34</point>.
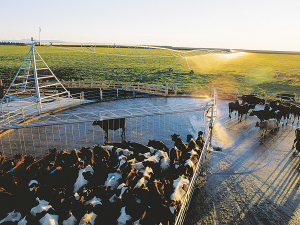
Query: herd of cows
<point>272,114</point>
<point>116,183</point>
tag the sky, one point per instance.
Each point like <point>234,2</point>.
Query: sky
<point>229,24</point>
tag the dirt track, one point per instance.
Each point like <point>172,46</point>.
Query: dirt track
<point>252,180</point>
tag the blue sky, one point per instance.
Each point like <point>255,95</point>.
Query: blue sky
<point>234,24</point>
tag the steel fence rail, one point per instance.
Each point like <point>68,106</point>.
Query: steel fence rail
<point>69,118</point>
<point>189,91</point>
<point>188,196</point>
<point>193,181</point>
<point>30,110</point>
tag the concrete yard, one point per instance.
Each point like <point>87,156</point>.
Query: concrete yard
<point>252,180</point>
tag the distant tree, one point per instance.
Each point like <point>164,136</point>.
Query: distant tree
<point>12,43</point>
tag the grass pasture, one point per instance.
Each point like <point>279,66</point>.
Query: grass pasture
<point>237,70</point>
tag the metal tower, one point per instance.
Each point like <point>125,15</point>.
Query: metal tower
<point>35,80</point>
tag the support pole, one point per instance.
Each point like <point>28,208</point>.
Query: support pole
<point>186,62</point>
<point>37,88</point>
<point>213,112</point>
<point>101,96</point>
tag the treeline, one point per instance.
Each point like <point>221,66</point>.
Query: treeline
<point>12,43</point>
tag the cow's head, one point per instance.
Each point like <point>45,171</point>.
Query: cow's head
<point>96,122</point>
<point>175,137</point>
<point>189,137</point>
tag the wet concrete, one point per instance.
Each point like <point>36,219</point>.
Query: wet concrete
<point>253,180</point>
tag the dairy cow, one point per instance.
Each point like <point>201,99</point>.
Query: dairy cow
<point>112,124</point>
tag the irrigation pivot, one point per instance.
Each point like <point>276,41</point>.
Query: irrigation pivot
<point>35,80</point>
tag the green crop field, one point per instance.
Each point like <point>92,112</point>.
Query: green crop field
<point>243,71</point>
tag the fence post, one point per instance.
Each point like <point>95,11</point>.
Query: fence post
<point>23,115</point>
<point>166,91</point>
<point>117,93</point>
<point>82,97</point>
<point>59,101</point>
<point>101,97</point>
<point>7,104</point>
<point>212,115</point>
<point>38,107</point>
<point>211,123</point>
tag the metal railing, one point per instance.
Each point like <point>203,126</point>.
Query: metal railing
<point>128,86</point>
<point>90,116</point>
<point>192,185</point>
<point>13,115</point>
<point>178,91</point>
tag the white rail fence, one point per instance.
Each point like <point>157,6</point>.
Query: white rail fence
<point>169,91</point>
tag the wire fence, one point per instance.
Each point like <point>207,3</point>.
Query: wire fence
<point>37,140</point>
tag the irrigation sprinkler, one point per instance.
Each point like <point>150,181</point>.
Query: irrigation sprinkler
<point>182,55</point>
<point>37,78</point>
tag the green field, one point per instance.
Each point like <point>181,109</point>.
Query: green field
<point>243,71</point>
